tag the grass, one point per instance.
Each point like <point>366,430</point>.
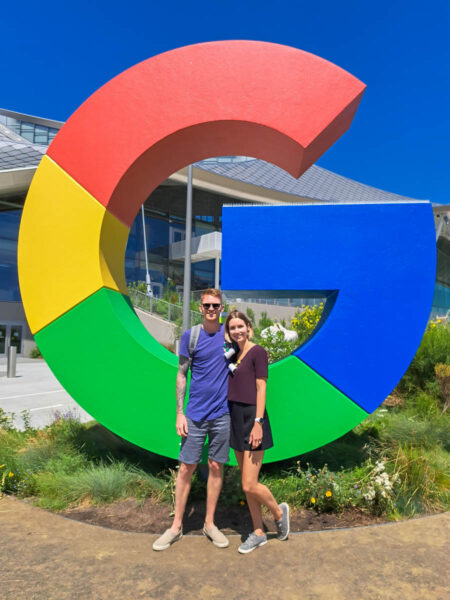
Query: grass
<point>68,463</point>
<point>424,480</point>
<point>97,484</point>
<point>395,463</point>
<point>401,429</point>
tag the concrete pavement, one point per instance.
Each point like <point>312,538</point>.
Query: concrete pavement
<point>36,390</point>
<point>48,557</point>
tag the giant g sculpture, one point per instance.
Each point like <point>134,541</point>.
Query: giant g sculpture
<point>374,263</point>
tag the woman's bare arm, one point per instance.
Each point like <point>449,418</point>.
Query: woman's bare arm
<point>256,433</point>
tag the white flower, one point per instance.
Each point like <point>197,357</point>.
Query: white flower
<point>370,495</point>
<point>274,329</point>
<point>379,467</point>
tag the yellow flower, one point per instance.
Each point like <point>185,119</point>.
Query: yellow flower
<point>328,494</point>
<point>313,500</point>
<point>10,474</point>
<point>438,320</point>
<point>242,503</point>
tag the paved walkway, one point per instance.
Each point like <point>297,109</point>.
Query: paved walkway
<point>36,390</point>
<point>47,557</point>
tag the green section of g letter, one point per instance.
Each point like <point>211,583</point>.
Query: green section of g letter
<point>103,356</point>
<point>305,410</point>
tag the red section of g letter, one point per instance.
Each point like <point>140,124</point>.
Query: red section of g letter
<point>268,101</point>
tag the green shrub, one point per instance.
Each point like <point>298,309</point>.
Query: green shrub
<point>6,420</point>
<point>264,321</point>
<point>424,480</point>
<point>232,493</point>
<point>139,286</point>
<point>169,292</point>
<point>434,349</point>
<point>305,320</point>
<point>35,353</point>
<point>68,463</point>
<point>11,444</point>
<point>99,484</point>
<point>37,453</point>
<point>276,346</point>
<point>250,314</point>
<point>162,308</point>
<point>443,379</point>
<point>402,428</point>
<point>423,405</point>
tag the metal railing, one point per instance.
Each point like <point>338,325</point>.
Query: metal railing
<point>173,313</point>
<point>289,302</point>
<point>286,302</point>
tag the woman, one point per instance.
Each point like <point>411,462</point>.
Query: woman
<point>250,428</point>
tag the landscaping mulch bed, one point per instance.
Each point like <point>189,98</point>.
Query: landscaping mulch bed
<point>148,517</point>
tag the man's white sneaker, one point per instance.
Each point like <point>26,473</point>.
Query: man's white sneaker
<point>216,536</point>
<point>167,539</point>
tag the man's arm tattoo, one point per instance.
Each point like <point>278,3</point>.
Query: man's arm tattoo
<point>183,368</point>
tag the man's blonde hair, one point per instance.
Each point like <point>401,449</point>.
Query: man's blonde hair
<point>212,292</point>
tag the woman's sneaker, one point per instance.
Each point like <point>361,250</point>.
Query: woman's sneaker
<point>167,539</point>
<point>252,542</point>
<point>283,525</point>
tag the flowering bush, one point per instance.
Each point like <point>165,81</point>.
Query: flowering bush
<point>379,486</point>
<point>305,320</point>
<point>276,346</point>
<point>434,349</point>
<point>6,420</point>
<point>443,378</point>
<point>369,488</point>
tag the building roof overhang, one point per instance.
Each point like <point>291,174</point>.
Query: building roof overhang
<point>16,181</point>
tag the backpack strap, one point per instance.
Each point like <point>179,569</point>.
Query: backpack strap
<point>193,341</point>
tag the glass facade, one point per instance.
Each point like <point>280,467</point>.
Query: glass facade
<point>441,300</point>
<point>165,224</point>
<point>37,134</point>
<point>9,233</point>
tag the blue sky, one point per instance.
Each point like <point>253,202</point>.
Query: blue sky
<point>55,54</point>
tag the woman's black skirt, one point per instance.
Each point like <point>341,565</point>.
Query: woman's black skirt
<point>242,421</point>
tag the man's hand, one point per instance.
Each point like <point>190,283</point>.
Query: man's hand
<point>182,426</point>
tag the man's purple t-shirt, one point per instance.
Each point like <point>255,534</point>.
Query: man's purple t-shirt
<point>209,376</point>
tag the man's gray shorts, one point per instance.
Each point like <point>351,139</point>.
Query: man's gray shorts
<point>218,432</point>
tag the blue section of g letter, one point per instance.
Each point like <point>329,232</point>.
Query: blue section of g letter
<point>378,259</point>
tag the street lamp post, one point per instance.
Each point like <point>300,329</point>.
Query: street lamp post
<point>148,280</point>
<point>187,254</point>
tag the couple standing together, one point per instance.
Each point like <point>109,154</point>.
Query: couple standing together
<point>231,410</point>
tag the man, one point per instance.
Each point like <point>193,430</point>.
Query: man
<point>206,415</point>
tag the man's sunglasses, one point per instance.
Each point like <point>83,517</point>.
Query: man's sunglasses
<point>207,306</point>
